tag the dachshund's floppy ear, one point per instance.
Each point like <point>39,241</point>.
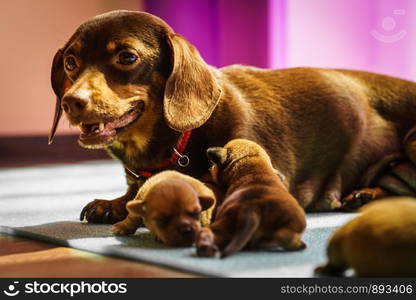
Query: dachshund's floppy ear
<point>191,92</point>
<point>60,83</point>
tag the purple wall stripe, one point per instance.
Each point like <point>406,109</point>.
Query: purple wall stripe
<point>373,35</point>
<point>224,31</point>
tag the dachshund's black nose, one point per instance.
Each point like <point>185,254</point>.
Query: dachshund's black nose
<point>74,106</point>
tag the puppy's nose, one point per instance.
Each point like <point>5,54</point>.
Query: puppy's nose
<point>74,106</point>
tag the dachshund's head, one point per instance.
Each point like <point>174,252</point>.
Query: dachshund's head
<point>122,71</point>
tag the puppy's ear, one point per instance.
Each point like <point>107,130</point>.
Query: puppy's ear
<point>137,207</point>
<point>206,202</point>
<point>217,155</point>
<point>191,92</point>
<point>60,83</point>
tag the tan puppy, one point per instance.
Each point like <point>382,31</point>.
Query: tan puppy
<point>257,211</point>
<point>381,242</point>
<point>172,205</point>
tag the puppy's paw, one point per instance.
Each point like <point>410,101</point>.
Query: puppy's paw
<point>104,211</point>
<point>205,244</point>
<point>302,245</point>
<point>207,250</point>
<point>120,229</point>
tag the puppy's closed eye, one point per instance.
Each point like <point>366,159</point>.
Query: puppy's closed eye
<point>162,221</point>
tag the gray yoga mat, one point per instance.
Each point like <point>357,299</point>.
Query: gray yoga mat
<point>44,203</point>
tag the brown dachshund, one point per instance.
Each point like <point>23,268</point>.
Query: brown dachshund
<point>173,206</point>
<point>144,94</point>
<point>257,211</point>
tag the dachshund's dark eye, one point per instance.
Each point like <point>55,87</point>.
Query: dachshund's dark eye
<point>194,215</point>
<point>70,63</point>
<point>126,58</point>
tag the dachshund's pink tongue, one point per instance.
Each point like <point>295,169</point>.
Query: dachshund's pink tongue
<point>104,133</point>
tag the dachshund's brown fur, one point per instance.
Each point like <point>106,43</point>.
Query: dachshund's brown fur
<point>322,128</point>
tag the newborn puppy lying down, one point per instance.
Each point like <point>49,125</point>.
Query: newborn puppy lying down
<point>258,211</point>
<point>173,206</point>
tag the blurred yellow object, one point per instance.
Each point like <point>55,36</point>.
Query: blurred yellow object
<point>381,242</point>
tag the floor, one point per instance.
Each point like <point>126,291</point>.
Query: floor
<point>27,258</point>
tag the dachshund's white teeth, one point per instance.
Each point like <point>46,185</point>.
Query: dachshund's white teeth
<point>95,128</point>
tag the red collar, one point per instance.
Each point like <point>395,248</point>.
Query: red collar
<point>177,157</point>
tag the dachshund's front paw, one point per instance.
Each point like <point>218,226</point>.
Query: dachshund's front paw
<point>356,199</point>
<point>104,211</point>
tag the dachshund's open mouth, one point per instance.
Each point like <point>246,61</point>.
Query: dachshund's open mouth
<point>104,133</point>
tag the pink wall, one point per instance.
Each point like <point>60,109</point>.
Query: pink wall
<point>31,32</point>
<point>338,34</point>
